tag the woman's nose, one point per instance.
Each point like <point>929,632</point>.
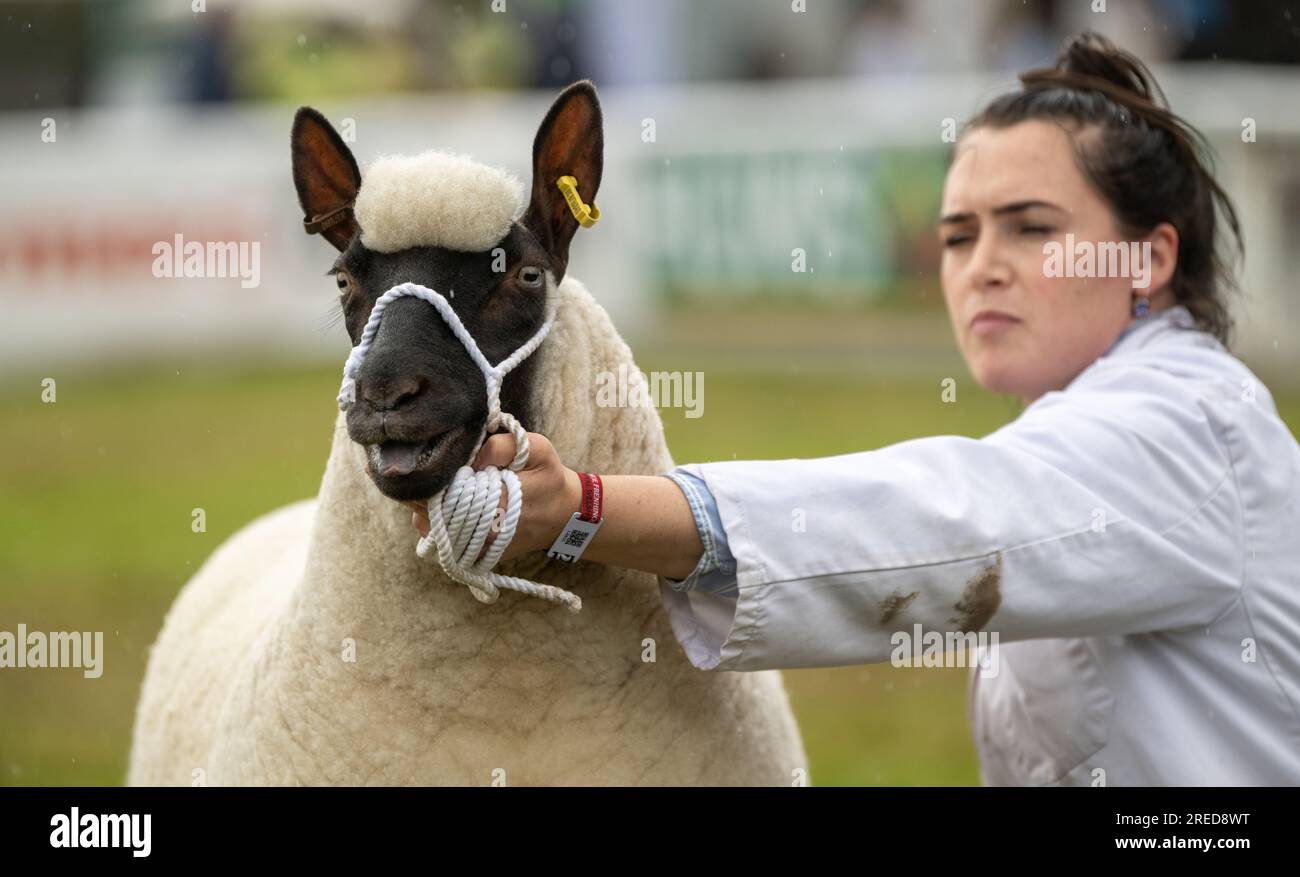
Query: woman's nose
<point>988,264</point>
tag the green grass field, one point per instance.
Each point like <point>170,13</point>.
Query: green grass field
<point>95,534</point>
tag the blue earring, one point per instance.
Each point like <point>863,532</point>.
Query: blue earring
<point>1141,306</point>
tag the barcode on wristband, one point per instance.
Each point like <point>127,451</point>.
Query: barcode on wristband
<point>569,545</point>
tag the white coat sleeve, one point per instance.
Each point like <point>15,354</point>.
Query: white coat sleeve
<point>1109,508</point>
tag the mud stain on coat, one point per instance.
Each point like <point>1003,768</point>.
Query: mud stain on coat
<point>981,597</point>
<point>895,603</point>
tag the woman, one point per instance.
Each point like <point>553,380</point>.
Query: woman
<point>1130,538</point>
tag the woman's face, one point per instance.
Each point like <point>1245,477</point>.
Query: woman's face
<point>1009,192</point>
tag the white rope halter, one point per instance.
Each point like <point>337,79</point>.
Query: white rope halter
<point>462,513</point>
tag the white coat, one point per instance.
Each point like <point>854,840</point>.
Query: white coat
<point>1133,540</point>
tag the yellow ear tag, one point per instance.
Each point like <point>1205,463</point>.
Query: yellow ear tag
<point>585,215</point>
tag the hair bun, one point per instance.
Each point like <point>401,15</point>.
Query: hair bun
<point>1088,60</point>
<point>1091,54</point>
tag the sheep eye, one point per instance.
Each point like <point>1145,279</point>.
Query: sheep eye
<point>344,283</point>
<point>530,275</point>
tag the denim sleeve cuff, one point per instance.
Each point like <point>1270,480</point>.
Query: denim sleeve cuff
<point>715,573</point>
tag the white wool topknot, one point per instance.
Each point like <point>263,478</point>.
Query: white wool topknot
<point>436,199</point>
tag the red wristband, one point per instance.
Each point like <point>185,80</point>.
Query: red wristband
<point>582,525</point>
<point>592,498</point>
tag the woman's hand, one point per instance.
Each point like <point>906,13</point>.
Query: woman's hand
<point>552,492</point>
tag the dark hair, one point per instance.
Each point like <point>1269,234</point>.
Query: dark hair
<point>1146,162</point>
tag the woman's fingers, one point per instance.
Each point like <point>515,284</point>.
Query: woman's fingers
<point>419,515</point>
<point>542,472</point>
<point>498,450</point>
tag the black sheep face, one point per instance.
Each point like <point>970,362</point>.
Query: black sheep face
<point>420,400</point>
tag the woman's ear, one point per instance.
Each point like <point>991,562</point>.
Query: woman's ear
<point>326,176</point>
<point>1164,259</point>
<point>570,142</point>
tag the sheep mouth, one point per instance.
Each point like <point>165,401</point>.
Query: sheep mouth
<point>398,459</point>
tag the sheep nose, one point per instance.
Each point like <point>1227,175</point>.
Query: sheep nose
<point>389,395</point>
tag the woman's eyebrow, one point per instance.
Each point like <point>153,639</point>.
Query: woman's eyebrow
<point>1013,207</point>
<point>1017,206</point>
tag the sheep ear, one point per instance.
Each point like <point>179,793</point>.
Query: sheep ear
<point>570,142</point>
<point>326,176</point>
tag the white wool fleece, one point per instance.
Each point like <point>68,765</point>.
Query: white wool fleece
<point>315,648</point>
<point>436,199</point>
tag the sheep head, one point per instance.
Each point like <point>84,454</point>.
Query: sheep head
<point>461,228</point>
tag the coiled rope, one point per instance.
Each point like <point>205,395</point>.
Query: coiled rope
<point>461,514</point>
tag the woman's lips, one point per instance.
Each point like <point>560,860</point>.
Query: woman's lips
<point>992,322</point>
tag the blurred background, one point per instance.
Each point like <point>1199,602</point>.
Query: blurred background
<point>736,131</point>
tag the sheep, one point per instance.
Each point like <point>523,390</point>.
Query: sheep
<point>314,647</point>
